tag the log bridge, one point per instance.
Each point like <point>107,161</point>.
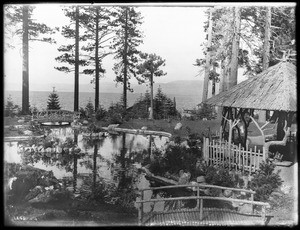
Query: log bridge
<point>55,116</point>
<point>201,214</point>
<point>114,129</point>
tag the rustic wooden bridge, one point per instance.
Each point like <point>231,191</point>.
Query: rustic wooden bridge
<point>55,116</point>
<point>174,211</point>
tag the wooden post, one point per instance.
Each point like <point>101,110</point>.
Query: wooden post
<point>263,214</point>
<point>264,153</point>
<point>198,194</point>
<point>204,150</point>
<point>201,209</point>
<point>252,206</point>
<point>141,209</point>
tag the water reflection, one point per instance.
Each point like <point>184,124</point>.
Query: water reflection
<point>90,166</point>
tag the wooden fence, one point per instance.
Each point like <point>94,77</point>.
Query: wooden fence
<point>235,157</point>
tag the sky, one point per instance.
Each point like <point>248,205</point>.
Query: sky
<point>174,33</point>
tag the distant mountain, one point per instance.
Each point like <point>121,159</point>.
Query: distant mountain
<point>182,87</point>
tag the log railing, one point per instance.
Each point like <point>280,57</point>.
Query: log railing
<point>55,116</point>
<point>199,206</point>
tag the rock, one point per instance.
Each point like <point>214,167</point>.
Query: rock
<point>42,197</point>
<point>85,122</point>
<point>21,121</point>
<point>28,132</point>
<point>227,192</point>
<point>184,177</point>
<point>278,194</point>
<point>34,192</point>
<point>144,128</point>
<point>245,208</point>
<point>178,126</point>
<point>207,191</point>
<point>201,179</point>
<point>58,149</point>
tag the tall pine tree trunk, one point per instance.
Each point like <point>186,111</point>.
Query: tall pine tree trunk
<point>233,71</point>
<point>207,62</point>
<point>97,62</point>
<point>151,96</point>
<point>266,54</point>
<point>125,62</point>
<point>76,78</point>
<point>25,73</point>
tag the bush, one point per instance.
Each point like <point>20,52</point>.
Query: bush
<point>206,111</point>
<point>218,176</point>
<point>101,113</point>
<point>265,181</point>
<point>11,109</point>
<point>114,113</point>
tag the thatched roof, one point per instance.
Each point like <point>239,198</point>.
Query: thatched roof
<point>272,89</point>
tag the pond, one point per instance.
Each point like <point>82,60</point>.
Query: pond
<point>83,161</point>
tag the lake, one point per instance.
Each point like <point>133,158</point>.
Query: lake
<point>39,99</point>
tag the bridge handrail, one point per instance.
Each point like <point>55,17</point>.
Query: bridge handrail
<point>201,198</point>
<point>207,198</point>
<point>199,185</point>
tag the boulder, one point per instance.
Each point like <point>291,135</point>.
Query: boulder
<point>34,192</point>
<point>184,177</point>
<point>245,208</point>
<point>28,132</point>
<point>144,128</point>
<point>201,179</point>
<point>42,197</point>
<point>227,193</point>
<point>178,126</point>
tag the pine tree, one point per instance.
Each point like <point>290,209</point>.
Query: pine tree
<point>71,55</point>
<point>148,69</point>
<point>127,39</point>
<point>89,109</point>
<point>98,30</point>
<point>18,21</point>
<point>53,101</point>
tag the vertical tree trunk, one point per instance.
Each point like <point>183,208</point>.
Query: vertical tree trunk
<point>266,54</point>
<point>213,90</point>
<point>95,166</point>
<point>151,96</point>
<point>97,62</point>
<point>125,62</point>
<point>235,48</point>
<point>76,78</point>
<point>25,74</point>
<point>207,62</point>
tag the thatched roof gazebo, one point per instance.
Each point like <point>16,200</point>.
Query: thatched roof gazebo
<point>274,90</point>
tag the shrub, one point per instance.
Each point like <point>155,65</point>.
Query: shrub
<point>89,109</point>
<point>265,181</point>
<point>218,176</point>
<point>114,113</point>
<point>11,109</point>
<point>101,113</point>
